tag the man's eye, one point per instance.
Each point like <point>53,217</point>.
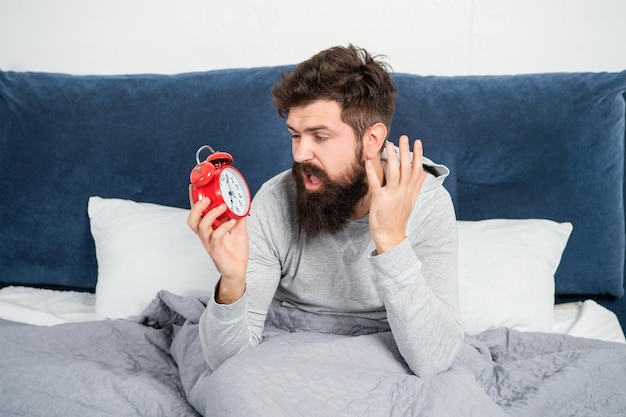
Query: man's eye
<point>295,137</point>
<point>320,138</point>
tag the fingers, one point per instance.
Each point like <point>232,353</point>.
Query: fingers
<point>402,170</point>
<point>211,216</point>
<point>224,229</point>
<point>392,174</point>
<point>418,155</point>
<point>405,159</point>
<point>417,168</point>
<point>195,214</point>
<point>372,178</point>
<point>198,222</point>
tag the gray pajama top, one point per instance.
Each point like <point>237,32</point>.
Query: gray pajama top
<point>413,287</point>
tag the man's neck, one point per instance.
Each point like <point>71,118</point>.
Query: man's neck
<point>362,208</point>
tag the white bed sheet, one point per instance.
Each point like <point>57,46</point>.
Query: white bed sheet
<point>43,307</point>
<point>587,319</point>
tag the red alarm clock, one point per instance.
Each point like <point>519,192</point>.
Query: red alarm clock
<point>217,179</point>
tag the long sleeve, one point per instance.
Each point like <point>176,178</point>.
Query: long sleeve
<point>427,329</point>
<point>418,281</point>
<point>413,286</point>
<point>226,330</point>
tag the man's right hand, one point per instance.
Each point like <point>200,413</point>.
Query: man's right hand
<point>227,246</point>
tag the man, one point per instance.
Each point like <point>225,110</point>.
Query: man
<point>358,228</point>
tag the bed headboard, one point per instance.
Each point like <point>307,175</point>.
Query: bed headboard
<point>543,146</point>
<point>540,145</point>
<point>64,138</point>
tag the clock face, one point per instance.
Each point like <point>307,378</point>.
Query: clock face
<point>235,191</point>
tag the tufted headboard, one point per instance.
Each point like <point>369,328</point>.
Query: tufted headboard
<point>543,146</point>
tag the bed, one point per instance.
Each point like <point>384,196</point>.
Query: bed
<point>103,282</point>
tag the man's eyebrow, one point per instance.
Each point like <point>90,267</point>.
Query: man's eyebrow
<point>309,129</point>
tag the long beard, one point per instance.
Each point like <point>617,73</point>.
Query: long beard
<point>327,210</point>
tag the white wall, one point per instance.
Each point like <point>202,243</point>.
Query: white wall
<point>445,37</point>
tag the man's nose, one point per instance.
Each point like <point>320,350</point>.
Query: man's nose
<point>302,150</point>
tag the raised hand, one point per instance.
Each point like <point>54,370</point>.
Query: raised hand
<point>392,203</point>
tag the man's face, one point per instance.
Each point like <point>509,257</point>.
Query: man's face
<point>328,167</point>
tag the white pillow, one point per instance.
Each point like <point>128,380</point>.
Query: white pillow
<point>143,248</point>
<point>506,267</point>
<point>506,272</point>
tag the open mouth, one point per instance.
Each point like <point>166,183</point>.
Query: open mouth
<point>313,177</point>
<point>312,182</point>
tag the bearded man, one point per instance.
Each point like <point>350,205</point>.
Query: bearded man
<point>357,229</point>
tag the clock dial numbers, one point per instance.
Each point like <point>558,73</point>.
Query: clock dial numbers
<point>234,191</point>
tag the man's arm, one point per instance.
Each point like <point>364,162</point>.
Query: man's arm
<point>417,277</point>
<point>235,316</point>
<point>418,281</point>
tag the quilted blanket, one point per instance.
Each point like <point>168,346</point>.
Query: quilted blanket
<point>307,365</point>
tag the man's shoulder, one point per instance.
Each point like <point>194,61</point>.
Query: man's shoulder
<point>280,185</point>
<point>276,195</point>
<point>273,208</point>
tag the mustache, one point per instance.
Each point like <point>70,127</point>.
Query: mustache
<point>309,169</point>
<point>327,210</point>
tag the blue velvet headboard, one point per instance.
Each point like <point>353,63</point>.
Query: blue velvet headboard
<point>545,145</point>
<point>64,138</point>
<point>548,146</point>
<point>541,145</point>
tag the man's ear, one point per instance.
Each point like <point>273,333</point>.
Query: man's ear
<point>375,137</point>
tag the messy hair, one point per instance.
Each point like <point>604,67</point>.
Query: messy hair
<point>359,82</point>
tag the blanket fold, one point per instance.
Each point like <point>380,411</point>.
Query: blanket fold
<point>153,366</point>
<point>311,364</point>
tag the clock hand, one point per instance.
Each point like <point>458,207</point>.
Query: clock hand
<point>230,192</point>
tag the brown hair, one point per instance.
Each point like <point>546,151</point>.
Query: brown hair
<point>358,82</point>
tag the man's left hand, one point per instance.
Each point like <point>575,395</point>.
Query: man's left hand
<point>393,202</point>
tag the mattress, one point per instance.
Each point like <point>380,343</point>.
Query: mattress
<point>43,307</point>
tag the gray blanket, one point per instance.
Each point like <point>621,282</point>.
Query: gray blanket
<point>307,365</point>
